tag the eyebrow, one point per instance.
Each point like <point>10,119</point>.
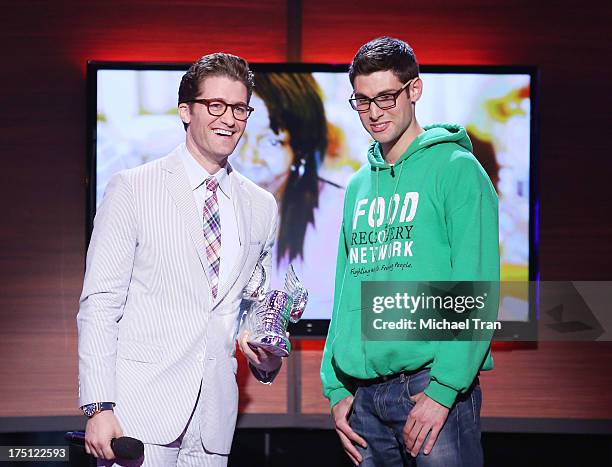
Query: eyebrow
<point>224,101</point>
<point>385,91</point>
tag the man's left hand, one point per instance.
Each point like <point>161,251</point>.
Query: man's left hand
<point>258,357</point>
<point>426,416</point>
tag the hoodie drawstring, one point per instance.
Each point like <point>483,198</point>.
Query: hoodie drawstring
<point>394,190</point>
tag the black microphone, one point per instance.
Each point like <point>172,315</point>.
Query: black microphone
<point>123,448</point>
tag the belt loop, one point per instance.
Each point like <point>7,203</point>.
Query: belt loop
<point>402,377</point>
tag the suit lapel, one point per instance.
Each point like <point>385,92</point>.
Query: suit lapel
<point>241,199</point>
<point>178,185</point>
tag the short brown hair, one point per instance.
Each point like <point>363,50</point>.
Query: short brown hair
<point>217,64</point>
<point>382,54</point>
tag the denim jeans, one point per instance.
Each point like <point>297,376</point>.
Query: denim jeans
<point>380,412</point>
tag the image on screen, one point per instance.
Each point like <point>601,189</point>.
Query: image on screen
<point>303,142</point>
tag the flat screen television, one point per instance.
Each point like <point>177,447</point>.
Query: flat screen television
<point>304,123</point>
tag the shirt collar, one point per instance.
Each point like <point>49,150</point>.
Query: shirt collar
<point>198,174</point>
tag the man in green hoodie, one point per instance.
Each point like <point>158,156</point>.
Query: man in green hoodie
<point>423,209</point>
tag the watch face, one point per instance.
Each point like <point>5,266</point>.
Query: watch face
<point>90,409</point>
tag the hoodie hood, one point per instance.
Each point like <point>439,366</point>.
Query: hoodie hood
<point>438,133</point>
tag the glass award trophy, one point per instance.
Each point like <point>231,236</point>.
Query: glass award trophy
<point>269,313</point>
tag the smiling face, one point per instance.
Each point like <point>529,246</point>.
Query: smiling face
<point>393,128</point>
<point>212,139</point>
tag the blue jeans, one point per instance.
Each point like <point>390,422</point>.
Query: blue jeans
<point>380,412</point>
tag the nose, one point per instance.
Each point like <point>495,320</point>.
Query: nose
<point>375,111</point>
<point>228,117</point>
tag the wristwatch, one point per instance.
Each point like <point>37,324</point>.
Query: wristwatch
<point>91,409</point>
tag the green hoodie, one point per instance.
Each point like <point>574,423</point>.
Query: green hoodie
<point>442,225</point>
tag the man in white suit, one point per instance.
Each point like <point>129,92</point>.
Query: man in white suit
<point>175,242</point>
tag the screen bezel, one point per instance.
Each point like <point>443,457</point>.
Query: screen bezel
<point>317,328</point>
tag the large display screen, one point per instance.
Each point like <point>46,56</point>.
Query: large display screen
<point>304,124</point>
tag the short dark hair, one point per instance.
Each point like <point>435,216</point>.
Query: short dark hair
<point>294,104</point>
<point>217,64</point>
<point>382,54</point>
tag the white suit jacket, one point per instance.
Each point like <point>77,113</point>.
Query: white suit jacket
<point>149,330</point>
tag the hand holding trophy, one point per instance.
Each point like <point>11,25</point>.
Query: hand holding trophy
<point>268,316</point>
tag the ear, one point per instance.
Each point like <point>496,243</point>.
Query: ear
<point>416,89</point>
<point>184,112</point>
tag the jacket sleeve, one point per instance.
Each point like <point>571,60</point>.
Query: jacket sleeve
<point>110,259</point>
<point>333,387</point>
<point>471,208</point>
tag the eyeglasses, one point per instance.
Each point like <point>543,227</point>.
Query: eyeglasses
<point>383,101</point>
<point>217,107</point>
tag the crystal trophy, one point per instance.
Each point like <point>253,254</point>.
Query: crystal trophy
<point>269,313</point>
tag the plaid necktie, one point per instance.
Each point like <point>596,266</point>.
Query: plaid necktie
<point>212,233</point>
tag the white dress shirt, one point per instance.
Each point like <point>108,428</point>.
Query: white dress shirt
<point>229,225</point>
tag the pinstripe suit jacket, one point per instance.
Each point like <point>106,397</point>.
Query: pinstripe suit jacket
<point>149,330</point>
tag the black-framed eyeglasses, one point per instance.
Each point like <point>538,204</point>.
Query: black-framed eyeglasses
<point>383,101</point>
<point>217,107</point>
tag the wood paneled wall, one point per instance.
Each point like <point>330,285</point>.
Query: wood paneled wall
<point>44,46</point>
